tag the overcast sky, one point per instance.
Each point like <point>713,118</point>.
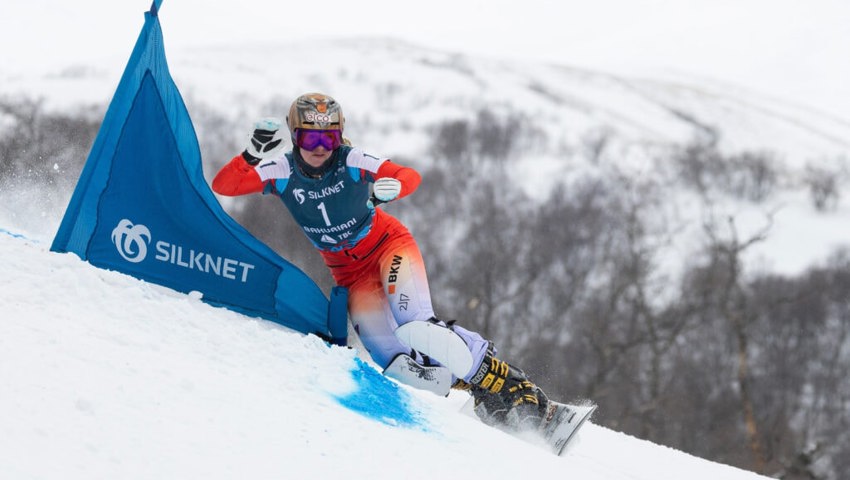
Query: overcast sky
<point>790,48</point>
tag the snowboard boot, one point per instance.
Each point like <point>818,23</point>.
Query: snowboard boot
<point>504,396</point>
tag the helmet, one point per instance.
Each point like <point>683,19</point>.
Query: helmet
<point>315,111</point>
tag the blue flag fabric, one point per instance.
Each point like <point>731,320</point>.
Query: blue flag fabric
<point>143,207</point>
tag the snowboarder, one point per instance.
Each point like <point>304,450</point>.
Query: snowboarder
<point>332,190</point>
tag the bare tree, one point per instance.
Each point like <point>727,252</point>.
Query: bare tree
<point>732,304</point>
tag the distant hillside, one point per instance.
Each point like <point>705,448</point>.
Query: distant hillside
<point>389,87</point>
<point>549,123</point>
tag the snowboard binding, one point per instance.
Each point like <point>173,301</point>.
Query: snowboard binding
<point>504,397</point>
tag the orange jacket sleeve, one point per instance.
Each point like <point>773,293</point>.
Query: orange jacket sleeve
<point>408,177</point>
<point>237,178</point>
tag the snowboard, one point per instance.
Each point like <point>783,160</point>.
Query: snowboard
<point>557,430</point>
<point>562,422</point>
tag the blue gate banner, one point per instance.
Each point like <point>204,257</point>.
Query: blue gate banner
<point>143,207</point>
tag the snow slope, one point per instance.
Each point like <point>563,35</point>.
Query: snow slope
<point>105,376</point>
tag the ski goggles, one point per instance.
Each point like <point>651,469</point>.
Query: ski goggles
<point>311,139</point>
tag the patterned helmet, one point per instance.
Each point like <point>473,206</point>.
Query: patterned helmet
<point>315,111</point>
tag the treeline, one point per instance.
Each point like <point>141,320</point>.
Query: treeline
<point>575,283</point>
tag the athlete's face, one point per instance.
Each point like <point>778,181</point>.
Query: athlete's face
<point>316,157</point>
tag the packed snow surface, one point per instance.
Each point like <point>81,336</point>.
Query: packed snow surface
<point>106,376</point>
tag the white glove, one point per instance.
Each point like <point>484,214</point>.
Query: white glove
<point>266,139</point>
<point>386,189</point>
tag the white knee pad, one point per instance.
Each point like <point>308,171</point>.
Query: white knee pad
<point>438,342</point>
<point>434,378</point>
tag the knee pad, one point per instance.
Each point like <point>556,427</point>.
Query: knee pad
<point>438,342</point>
<point>434,378</point>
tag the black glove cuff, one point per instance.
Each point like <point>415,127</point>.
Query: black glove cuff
<point>250,159</point>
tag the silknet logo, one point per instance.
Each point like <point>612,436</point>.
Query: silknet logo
<point>131,241</point>
<point>299,195</point>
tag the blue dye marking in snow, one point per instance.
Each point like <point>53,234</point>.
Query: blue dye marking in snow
<point>379,398</point>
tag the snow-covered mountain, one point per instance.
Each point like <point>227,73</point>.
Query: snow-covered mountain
<point>106,376</point>
<point>388,87</point>
<point>568,121</point>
